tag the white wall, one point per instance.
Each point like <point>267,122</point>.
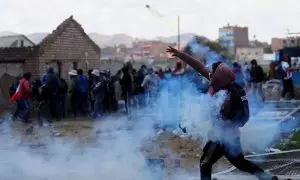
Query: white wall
<point>25,41</point>
<point>249,53</point>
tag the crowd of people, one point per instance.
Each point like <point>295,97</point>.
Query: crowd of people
<point>98,92</point>
<point>93,94</point>
<point>253,77</point>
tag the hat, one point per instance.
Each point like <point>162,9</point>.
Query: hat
<point>73,73</point>
<point>285,65</point>
<point>96,72</point>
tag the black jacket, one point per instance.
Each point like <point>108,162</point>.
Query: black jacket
<point>257,74</point>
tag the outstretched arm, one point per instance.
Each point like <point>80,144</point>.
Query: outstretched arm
<point>197,65</point>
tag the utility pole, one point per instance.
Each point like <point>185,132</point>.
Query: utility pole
<point>178,26</point>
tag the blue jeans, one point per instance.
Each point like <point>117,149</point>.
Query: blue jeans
<point>25,109</point>
<point>98,107</point>
<point>17,109</point>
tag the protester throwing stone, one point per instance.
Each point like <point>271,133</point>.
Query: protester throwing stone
<point>225,140</point>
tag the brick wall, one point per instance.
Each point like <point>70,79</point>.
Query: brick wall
<point>70,46</point>
<point>32,65</point>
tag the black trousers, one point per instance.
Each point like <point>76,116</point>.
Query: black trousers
<point>288,87</point>
<point>53,106</point>
<point>213,151</point>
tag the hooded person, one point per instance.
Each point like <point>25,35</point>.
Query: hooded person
<point>127,84</point>
<point>238,73</point>
<point>82,88</point>
<point>257,78</point>
<point>225,140</point>
<point>52,83</point>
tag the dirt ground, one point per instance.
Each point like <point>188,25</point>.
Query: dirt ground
<point>176,151</point>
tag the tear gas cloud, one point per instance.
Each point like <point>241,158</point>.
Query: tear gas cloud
<point>115,156</point>
<point>199,50</point>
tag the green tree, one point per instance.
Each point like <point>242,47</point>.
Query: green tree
<point>215,46</point>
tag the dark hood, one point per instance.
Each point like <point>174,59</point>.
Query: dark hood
<point>50,70</point>
<point>222,78</point>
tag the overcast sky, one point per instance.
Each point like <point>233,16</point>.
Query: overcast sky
<point>265,18</point>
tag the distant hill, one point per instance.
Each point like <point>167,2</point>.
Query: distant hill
<point>184,38</point>
<point>106,40</point>
<point>109,40</point>
<point>8,33</point>
<point>37,37</point>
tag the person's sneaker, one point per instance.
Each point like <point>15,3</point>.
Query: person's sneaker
<point>160,132</point>
<point>293,100</point>
<point>281,99</point>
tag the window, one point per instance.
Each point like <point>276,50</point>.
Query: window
<point>22,43</point>
<point>75,65</point>
<point>58,65</point>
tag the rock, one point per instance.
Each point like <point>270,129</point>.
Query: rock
<point>56,134</point>
<point>176,163</point>
<point>182,155</point>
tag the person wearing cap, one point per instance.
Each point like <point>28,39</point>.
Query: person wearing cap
<point>151,84</point>
<point>73,91</point>
<point>287,81</point>
<point>98,92</point>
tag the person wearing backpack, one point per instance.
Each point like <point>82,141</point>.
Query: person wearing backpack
<point>98,92</point>
<point>224,137</point>
<point>51,81</point>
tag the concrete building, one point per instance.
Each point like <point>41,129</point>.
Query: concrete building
<point>149,49</point>
<point>233,37</point>
<point>15,41</point>
<point>67,47</point>
<point>277,44</point>
<point>249,53</point>
<point>287,42</point>
<point>292,41</point>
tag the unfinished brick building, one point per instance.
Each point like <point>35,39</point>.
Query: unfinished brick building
<point>67,47</point>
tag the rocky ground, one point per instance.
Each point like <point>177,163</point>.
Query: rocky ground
<point>178,152</point>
